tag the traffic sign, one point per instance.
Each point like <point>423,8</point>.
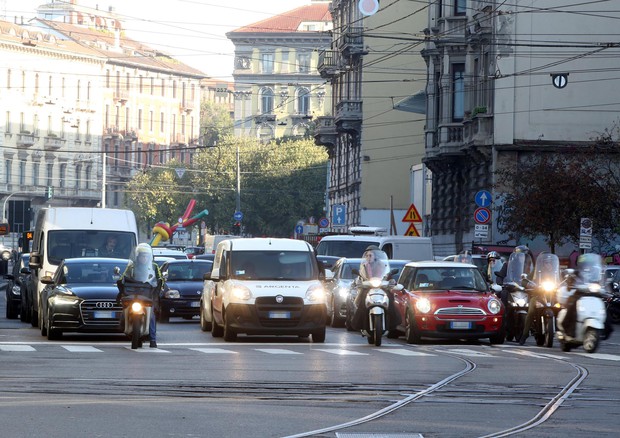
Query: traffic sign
<point>323,222</point>
<point>412,230</point>
<point>238,216</point>
<point>412,215</point>
<point>339,215</point>
<point>299,229</point>
<point>482,215</point>
<point>483,198</point>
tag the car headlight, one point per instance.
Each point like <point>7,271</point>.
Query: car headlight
<point>494,306</point>
<point>423,305</point>
<point>172,293</point>
<point>16,289</point>
<point>62,299</point>
<point>240,293</point>
<point>315,294</point>
<point>343,292</point>
<point>6,254</point>
<point>548,286</point>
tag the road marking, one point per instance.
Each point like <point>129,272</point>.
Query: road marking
<point>214,351</point>
<point>148,350</point>
<point>529,354</point>
<point>81,349</point>
<point>276,351</point>
<point>602,356</point>
<point>341,352</point>
<point>466,352</point>
<point>404,352</point>
<point>16,348</point>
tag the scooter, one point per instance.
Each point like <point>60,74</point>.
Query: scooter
<point>591,311</point>
<point>515,296</point>
<point>137,301</point>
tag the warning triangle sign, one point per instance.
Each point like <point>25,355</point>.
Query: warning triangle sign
<point>412,215</point>
<point>412,231</point>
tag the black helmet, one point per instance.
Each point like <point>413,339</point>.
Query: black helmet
<point>522,248</point>
<point>493,255</point>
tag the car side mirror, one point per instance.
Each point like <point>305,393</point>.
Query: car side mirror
<point>47,280</point>
<point>496,288</point>
<point>398,287</point>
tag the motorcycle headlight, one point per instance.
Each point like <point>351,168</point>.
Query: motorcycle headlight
<point>494,306</point>
<point>136,307</point>
<point>594,287</point>
<point>375,282</point>
<point>423,305</point>
<point>240,293</point>
<point>548,286</point>
<point>172,293</point>
<point>315,294</point>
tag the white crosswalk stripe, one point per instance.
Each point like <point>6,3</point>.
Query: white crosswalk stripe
<point>214,350</point>
<point>148,350</point>
<point>466,352</point>
<point>600,356</point>
<point>277,351</point>
<point>81,349</point>
<point>403,352</point>
<point>341,352</point>
<point>16,348</point>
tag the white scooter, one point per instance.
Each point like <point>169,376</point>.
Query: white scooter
<point>591,312</point>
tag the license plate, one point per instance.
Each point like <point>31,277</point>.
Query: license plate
<point>460,325</point>
<point>279,315</point>
<point>194,304</point>
<point>105,314</point>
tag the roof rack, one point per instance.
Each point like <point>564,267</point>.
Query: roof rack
<point>372,231</point>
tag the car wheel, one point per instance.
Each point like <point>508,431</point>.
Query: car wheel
<point>42,325</point>
<point>565,346</point>
<point>24,311</point>
<point>318,336</point>
<point>217,331</point>
<point>52,334</point>
<point>336,321</point>
<point>230,335</point>
<point>411,336</point>
<point>11,309</point>
<point>205,325</point>
<point>164,316</point>
<point>34,316</point>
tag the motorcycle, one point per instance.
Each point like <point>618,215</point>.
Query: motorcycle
<point>589,285</point>
<point>373,299</point>
<point>516,298</point>
<point>136,299</point>
<point>544,286</point>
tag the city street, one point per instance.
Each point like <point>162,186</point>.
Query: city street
<point>195,385</point>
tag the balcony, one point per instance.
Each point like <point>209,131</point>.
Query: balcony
<point>478,131</point>
<point>352,41</point>
<point>178,138</point>
<point>349,116</point>
<point>52,143</point>
<point>325,133</point>
<point>85,106</point>
<point>327,64</point>
<point>111,131</point>
<point>121,95</point>
<point>187,106</point>
<point>25,139</point>
<point>264,118</point>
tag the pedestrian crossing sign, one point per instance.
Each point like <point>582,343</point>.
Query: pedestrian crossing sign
<point>412,230</point>
<point>412,215</point>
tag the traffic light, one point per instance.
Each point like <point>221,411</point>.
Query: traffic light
<point>236,228</point>
<point>50,192</point>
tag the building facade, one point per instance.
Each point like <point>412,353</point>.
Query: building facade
<point>373,65</point>
<point>278,92</point>
<point>492,99</point>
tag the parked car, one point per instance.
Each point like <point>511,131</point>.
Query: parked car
<point>182,288</point>
<point>337,289</point>
<point>193,251</point>
<point>352,291</point>
<point>81,297</point>
<point>172,253</point>
<point>16,288</point>
<point>447,300</point>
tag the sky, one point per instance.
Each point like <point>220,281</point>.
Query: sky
<point>193,31</point>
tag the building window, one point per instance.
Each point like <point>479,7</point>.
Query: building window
<point>174,89</point>
<point>303,101</point>
<point>460,7</point>
<point>8,129</point>
<point>78,174</point>
<point>162,120</point>
<point>163,87</point>
<point>22,172</point>
<point>35,174</point>
<point>151,121</point>
<point>150,154</point>
<point>87,175</point>
<point>8,79</point>
<point>8,166</point>
<point>50,172</point>
<point>63,175</point>
<point>458,92</point>
<point>303,62</point>
<point>266,62</point>
<point>266,101</point>
<point>140,118</point>
<point>107,78</point>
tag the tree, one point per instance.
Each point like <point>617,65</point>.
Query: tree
<point>547,195</point>
<point>215,122</point>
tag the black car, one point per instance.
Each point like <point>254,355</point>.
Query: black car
<point>182,288</point>
<point>16,288</point>
<point>352,293</point>
<point>81,297</point>
<point>337,289</point>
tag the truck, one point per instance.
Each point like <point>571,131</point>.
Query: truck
<point>264,286</point>
<point>69,232</point>
<point>354,244</point>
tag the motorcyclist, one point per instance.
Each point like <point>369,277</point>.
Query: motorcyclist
<point>547,270</point>
<point>374,264</point>
<point>527,268</point>
<point>143,269</point>
<point>464,257</point>
<point>494,265</point>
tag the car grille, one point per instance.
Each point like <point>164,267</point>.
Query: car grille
<point>294,305</point>
<point>459,311</point>
<point>89,307</point>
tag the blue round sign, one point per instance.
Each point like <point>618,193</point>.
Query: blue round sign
<point>299,229</point>
<point>483,198</point>
<point>238,216</point>
<point>482,215</point>
<point>323,222</point>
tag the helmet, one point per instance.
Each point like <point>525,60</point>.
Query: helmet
<point>493,255</point>
<point>143,248</point>
<point>522,248</point>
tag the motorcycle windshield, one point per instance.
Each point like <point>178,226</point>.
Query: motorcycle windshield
<point>493,267</point>
<point>590,268</point>
<point>375,264</point>
<point>518,263</point>
<point>547,268</point>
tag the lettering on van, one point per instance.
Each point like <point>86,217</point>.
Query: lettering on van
<point>277,286</point>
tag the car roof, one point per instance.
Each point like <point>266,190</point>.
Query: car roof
<point>440,264</point>
<point>94,260</point>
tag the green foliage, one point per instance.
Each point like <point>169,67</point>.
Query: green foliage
<point>215,122</point>
<point>547,195</point>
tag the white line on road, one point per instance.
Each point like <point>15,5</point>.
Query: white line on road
<point>16,348</point>
<point>81,349</point>
<point>341,352</point>
<point>276,351</point>
<point>404,352</point>
<point>214,351</point>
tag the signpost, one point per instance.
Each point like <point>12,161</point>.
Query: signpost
<point>412,216</point>
<point>482,214</point>
<point>339,215</point>
<point>585,233</point>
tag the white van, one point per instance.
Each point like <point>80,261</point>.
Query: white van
<point>212,240</point>
<point>69,232</point>
<point>396,247</point>
<point>264,286</point>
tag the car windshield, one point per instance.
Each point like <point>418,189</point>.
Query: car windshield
<point>449,278</point>
<point>89,272</point>
<point>65,244</point>
<point>274,265</point>
<point>193,271</point>
<point>344,248</point>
